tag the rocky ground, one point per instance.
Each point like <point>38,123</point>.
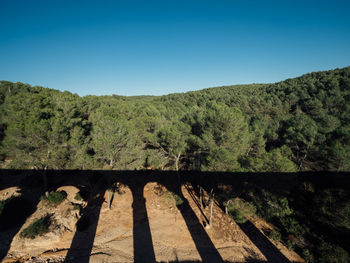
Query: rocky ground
<point>171,239</point>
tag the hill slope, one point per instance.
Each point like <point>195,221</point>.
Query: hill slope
<point>297,124</point>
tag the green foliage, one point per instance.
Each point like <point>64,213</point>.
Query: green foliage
<point>38,227</point>
<point>178,200</point>
<point>292,226</point>
<point>290,245</point>
<point>221,160</point>
<point>240,210</point>
<point>332,254</point>
<point>298,124</point>
<point>155,159</point>
<point>77,207</point>
<point>171,139</point>
<point>272,161</point>
<point>271,206</point>
<point>338,152</point>
<point>307,255</point>
<point>115,140</point>
<point>311,219</point>
<point>275,235</point>
<point>78,197</point>
<point>55,198</point>
<point>220,134</point>
<point>300,135</point>
<point>333,207</point>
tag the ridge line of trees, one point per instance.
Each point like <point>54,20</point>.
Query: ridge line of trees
<point>298,124</point>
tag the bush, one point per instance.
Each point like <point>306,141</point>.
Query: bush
<point>292,226</point>
<point>55,198</point>
<point>78,197</point>
<point>331,253</point>
<point>239,209</point>
<point>307,255</point>
<point>278,207</point>
<point>76,207</point>
<point>290,245</point>
<point>176,197</point>
<point>275,235</point>
<point>38,227</point>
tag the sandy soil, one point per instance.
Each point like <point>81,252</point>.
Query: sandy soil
<point>171,238</point>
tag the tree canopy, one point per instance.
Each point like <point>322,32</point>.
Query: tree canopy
<point>298,124</point>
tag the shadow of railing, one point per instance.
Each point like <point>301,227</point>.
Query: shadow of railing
<point>82,243</point>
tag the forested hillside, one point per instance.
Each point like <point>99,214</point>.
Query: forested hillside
<point>299,124</point>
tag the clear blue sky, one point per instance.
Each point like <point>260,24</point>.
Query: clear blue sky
<point>159,47</point>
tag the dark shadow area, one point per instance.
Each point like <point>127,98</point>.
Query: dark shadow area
<point>282,185</point>
<point>247,260</point>
<point>143,245</point>
<point>268,249</point>
<point>202,241</point>
<point>16,210</point>
<point>83,240</point>
<point>192,194</point>
<point>93,185</point>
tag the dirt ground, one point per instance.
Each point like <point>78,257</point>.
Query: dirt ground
<point>172,240</point>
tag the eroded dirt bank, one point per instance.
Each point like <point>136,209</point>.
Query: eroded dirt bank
<point>164,232</point>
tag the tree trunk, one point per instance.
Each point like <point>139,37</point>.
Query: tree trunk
<point>200,197</point>
<point>303,159</point>
<point>45,182</point>
<point>211,206</point>
<point>177,163</point>
<point>177,158</point>
<point>211,212</point>
<point>109,198</point>
<point>227,204</point>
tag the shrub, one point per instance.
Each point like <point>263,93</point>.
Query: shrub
<point>278,207</point>
<point>331,253</point>
<point>290,245</point>
<point>275,235</point>
<point>76,207</point>
<point>38,227</point>
<point>55,198</point>
<point>307,255</point>
<point>176,197</point>
<point>292,226</point>
<point>78,197</point>
<point>239,209</point>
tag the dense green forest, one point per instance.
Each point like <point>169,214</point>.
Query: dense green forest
<point>298,124</point>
